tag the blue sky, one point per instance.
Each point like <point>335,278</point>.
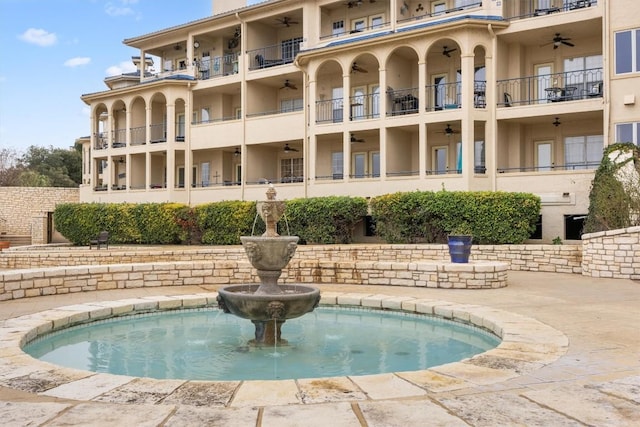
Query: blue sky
<point>53,51</point>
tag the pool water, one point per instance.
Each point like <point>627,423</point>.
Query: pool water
<point>206,344</point>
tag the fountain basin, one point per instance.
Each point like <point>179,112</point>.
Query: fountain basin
<point>243,301</point>
<point>269,253</point>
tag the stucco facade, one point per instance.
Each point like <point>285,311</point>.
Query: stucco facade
<point>368,98</point>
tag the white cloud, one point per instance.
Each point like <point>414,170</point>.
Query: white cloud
<point>39,37</point>
<point>121,68</point>
<point>77,61</point>
<point>119,9</point>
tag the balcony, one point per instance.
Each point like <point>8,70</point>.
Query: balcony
<point>364,106</point>
<point>218,66</point>
<point>119,138</point>
<point>158,133</point>
<point>271,56</point>
<point>138,135</point>
<point>329,111</point>
<point>546,88</point>
<point>444,96</point>
<point>566,167</point>
<point>531,8</point>
<point>439,10</point>
<point>402,101</point>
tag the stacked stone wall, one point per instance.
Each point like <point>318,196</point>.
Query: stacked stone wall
<point>19,284</point>
<point>23,210</point>
<point>614,253</point>
<point>548,258</point>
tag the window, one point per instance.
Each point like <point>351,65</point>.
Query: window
<point>627,51</point>
<point>573,225</point>
<point>465,3</point>
<point>537,234</point>
<point>338,28</point>
<point>628,132</point>
<point>375,22</point>
<point>583,72</point>
<point>291,170</point>
<point>290,49</point>
<point>438,7</point>
<point>180,177</point>
<point>583,152</point>
<point>337,164</point>
<point>287,105</point>
<point>358,25</point>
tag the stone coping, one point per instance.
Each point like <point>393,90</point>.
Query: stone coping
<point>527,345</point>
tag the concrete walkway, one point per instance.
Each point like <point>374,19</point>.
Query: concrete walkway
<point>596,383</point>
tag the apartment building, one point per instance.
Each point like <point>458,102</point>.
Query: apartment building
<point>370,97</point>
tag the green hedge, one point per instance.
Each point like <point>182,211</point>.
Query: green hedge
<point>324,220</point>
<point>400,218</point>
<point>491,217</point>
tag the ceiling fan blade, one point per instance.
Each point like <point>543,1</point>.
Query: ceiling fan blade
<point>567,43</point>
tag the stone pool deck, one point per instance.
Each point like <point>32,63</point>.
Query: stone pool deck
<point>595,381</point>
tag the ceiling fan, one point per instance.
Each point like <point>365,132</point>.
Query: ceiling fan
<point>287,21</point>
<point>447,52</point>
<point>355,68</point>
<point>354,139</point>
<point>288,149</point>
<point>289,85</point>
<point>448,131</point>
<point>558,40</point>
<point>351,4</point>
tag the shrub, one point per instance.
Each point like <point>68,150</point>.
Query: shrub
<point>491,217</point>
<point>324,220</point>
<point>222,223</point>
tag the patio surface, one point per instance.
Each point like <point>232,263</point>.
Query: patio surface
<point>595,383</point>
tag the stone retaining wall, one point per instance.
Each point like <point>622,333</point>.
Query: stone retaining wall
<point>548,258</point>
<point>614,253</point>
<point>64,280</point>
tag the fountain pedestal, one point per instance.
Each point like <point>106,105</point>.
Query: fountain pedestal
<point>268,305</point>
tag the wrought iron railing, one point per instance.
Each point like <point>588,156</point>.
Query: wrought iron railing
<point>426,13</point>
<point>217,66</point>
<point>444,96</point>
<point>270,56</point>
<point>119,138</point>
<point>289,109</point>
<point>567,167</point>
<point>330,110</point>
<point>528,8</point>
<point>557,87</point>
<point>158,133</point>
<point>101,141</point>
<point>344,31</point>
<point>402,101</point>
<point>365,106</point>
<point>138,135</point>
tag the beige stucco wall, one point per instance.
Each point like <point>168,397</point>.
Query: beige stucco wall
<point>25,209</point>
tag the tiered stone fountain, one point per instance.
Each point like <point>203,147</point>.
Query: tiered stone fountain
<point>268,305</point>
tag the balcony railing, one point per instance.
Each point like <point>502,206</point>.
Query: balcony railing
<point>402,101</point>
<point>329,111</point>
<point>366,106</point>
<point>119,138</point>
<point>138,135</point>
<point>567,167</point>
<point>544,88</point>
<point>217,66</point>
<point>427,14</point>
<point>444,96</point>
<point>528,8</point>
<point>270,56</point>
<point>344,31</point>
<point>158,133</point>
<point>289,109</point>
<point>100,141</point>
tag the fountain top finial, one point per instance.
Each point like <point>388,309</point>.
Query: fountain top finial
<point>271,193</point>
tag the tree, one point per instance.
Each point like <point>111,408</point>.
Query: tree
<point>61,167</point>
<point>10,169</point>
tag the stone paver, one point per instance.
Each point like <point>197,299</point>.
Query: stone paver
<point>576,365</point>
